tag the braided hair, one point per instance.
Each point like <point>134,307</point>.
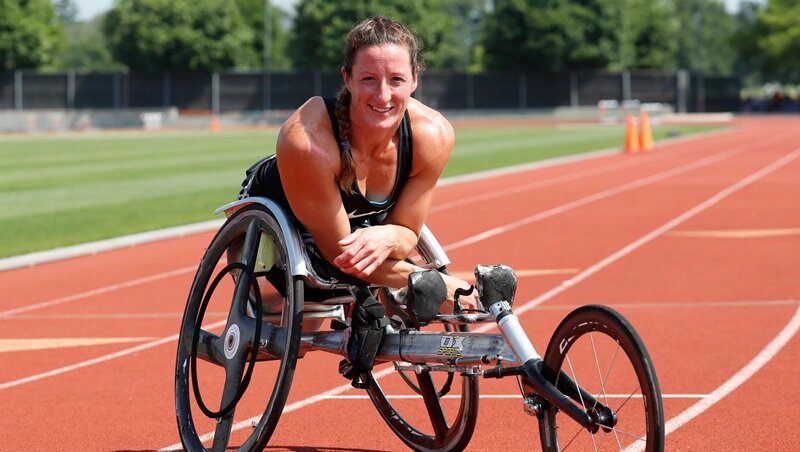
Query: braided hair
<point>376,30</point>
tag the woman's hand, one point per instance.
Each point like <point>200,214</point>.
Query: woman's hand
<point>365,249</point>
<point>466,301</point>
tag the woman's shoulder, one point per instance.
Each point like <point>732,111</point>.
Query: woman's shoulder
<point>430,129</point>
<point>308,131</point>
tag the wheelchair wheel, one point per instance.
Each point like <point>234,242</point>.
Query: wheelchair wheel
<point>597,349</point>
<point>419,416</point>
<point>235,318</point>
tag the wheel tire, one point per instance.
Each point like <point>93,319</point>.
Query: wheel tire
<point>586,346</point>
<point>232,240</point>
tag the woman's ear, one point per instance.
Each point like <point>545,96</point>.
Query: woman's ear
<point>346,78</point>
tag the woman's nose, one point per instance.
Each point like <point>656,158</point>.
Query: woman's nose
<point>383,93</point>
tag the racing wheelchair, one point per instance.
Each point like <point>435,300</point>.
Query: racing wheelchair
<point>257,306</point>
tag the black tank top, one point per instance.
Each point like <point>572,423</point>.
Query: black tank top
<point>356,204</point>
<point>263,178</point>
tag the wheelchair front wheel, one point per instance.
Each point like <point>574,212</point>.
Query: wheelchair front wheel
<point>216,359</point>
<point>595,347</point>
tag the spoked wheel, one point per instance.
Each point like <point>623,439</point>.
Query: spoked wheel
<point>234,317</point>
<point>597,349</point>
<point>415,406</point>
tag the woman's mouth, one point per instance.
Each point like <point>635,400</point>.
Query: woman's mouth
<point>381,110</point>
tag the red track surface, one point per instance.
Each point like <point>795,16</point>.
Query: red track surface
<point>622,227</point>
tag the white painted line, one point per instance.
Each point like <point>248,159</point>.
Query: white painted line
<point>769,352</point>
<point>453,180</point>
<point>519,310</point>
<point>594,197</point>
<point>512,396</point>
<point>16,345</point>
<point>88,249</point>
<point>100,291</point>
<point>738,234</point>
<point>98,360</point>
<point>501,192</point>
<point>738,379</point>
<point>659,231</point>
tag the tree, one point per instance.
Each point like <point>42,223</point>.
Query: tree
<point>66,10</point>
<point>778,29</point>
<point>648,34</point>
<point>704,45</point>
<point>460,47</point>
<point>30,34</point>
<point>180,35</point>
<point>550,35</point>
<point>253,12</point>
<point>321,26</point>
<point>85,48</point>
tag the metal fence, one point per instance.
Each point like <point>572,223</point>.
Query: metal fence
<point>252,91</point>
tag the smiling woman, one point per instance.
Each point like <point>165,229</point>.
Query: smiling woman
<point>358,172</point>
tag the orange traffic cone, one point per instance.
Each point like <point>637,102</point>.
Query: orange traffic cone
<point>215,127</point>
<point>631,136</point>
<point>645,134</point>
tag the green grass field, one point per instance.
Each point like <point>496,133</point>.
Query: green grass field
<point>63,190</point>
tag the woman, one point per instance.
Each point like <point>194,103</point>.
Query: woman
<point>358,172</point>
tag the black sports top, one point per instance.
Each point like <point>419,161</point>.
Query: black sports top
<point>263,179</point>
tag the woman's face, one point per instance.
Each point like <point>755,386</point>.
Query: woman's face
<point>380,84</point>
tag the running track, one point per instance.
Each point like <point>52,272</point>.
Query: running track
<point>697,243</point>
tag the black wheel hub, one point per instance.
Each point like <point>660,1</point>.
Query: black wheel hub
<point>602,417</point>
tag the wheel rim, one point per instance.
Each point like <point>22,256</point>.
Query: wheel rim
<point>425,422</point>
<point>226,347</point>
<point>599,351</point>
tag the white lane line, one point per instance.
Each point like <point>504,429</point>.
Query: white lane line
<point>16,344</point>
<point>512,396</point>
<point>738,379</point>
<point>738,233</point>
<point>100,291</point>
<point>90,362</point>
<point>499,193</point>
<point>772,349</point>
<point>567,307</point>
<point>519,310</point>
<point>775,165</point>
<point>98,360</point>
<point>594,197</point>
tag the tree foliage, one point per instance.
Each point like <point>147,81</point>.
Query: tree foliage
<point>778,41</point>
<point>561,35</point>
<point>705,45</point>
<point>66,10</point>
<point>187,35</point>
<point>321,26</point>
<point>30,34</point>
<point>648,34</point>
<point>550,35</point>
<point>253,13</point>
<point>85,48</point>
